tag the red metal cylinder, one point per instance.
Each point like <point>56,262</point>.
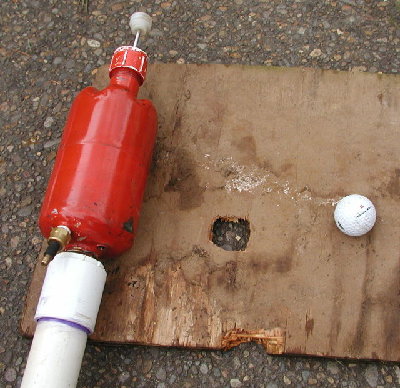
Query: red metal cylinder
<point>98,180</point>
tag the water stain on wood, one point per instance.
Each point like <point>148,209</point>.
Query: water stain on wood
<point>391,313</point>
<point>393,187</point>
<point>365,311</point>
<point>247,146</point>
<point>287,167</point>
<point>259,264</point>
<point>200,252</point>
<point>309,326</point>
<point>185,181</point>
<point>283,264</point>
<point>337,307</point>
<point>230,274</point>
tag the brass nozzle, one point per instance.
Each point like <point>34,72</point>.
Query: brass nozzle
<point>61,234</point>
<point>46,259</point>
<point>58,239</point>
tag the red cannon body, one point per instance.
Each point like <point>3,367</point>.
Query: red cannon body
<point>98,180</point>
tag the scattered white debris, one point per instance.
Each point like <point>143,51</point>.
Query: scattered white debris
<point>244,178</point>
<point>286,188</point>
<point>245,183</point>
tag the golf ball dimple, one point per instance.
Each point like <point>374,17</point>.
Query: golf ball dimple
<point>355,215</point>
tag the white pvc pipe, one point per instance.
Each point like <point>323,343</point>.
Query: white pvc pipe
<point>66,314</point>
<point>55,357</point>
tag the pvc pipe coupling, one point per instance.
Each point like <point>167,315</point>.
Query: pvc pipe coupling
<point>65,315</point>
<point>72,291</point>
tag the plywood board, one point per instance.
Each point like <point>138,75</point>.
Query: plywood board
<point>277,147</point>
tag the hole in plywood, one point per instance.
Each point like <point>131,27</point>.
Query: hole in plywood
<point>230,233</point>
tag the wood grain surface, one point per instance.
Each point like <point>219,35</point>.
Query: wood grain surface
<point>277,147</point>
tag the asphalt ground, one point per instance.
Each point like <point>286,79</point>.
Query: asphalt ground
<point>48,50</point>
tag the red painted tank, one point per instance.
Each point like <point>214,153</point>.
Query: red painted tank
<point>98,181</point>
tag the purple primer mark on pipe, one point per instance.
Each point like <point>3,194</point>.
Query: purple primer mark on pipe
<point>68,323</point>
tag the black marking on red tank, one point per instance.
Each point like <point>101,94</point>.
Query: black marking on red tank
<point>128,225</point>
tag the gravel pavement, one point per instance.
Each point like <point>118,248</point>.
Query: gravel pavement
<point>48,50</point>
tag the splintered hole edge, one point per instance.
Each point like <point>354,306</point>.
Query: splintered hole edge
<point>230,233</point>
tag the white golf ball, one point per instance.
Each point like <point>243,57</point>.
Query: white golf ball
<point>355,215</point>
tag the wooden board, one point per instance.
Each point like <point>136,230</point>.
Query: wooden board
<point>277,147</point>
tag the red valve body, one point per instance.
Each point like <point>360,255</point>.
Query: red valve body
<point>98,180</point>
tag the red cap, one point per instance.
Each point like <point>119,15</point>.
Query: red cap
<point>132,58</point>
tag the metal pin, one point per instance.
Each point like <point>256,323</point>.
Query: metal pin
<point>135,43</point>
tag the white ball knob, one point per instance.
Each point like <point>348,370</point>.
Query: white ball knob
<point>140,22</point>
<point>355,215</point>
